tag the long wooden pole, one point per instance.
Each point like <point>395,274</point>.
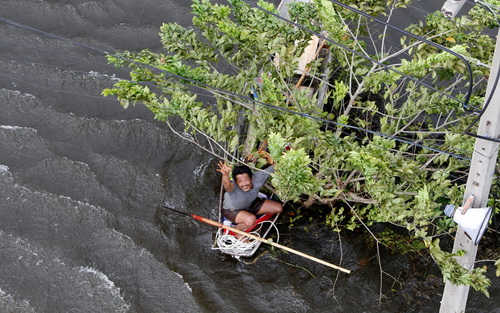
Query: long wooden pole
<point>269,242</point>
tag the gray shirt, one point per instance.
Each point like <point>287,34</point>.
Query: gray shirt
<point>241,200</point>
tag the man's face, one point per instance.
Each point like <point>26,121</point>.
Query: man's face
<point>244,182</point>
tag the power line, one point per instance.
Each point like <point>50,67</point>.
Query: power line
<point>54,52</point>
<point>48,34</point>
<point>22,78</point>
<point>441,16</point>
<point>216,90</point>
<point>54,89</point>
<point>436,45</point>
<point>465,103</point>
<point>18,77</point>
<point>55,67</point>
<point>493,89</point>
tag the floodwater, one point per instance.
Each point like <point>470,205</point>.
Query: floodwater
<point>82,181</point>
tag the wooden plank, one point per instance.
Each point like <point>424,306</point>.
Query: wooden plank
<point>308,55</point>
<point>325,75</point>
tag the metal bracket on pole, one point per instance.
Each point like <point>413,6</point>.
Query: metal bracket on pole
<point>451,8</point>
<point>467,204</point>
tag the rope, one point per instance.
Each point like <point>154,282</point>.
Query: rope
<point>231,244</point>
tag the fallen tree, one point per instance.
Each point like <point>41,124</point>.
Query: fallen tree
<point>386,143</point>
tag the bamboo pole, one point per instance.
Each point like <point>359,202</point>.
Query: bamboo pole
<point>269,242</point>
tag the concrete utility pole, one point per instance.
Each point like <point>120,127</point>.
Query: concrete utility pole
<point>478,184</point>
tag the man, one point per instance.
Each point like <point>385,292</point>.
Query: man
<point>241,203</point>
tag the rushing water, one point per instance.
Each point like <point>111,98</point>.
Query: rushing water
<point>82,183</point>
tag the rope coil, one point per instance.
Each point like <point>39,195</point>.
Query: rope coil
<point>244,246</point>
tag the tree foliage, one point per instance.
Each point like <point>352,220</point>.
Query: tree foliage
<point>385,146</point>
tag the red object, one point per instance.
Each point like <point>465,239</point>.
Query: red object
<point>261,219</point>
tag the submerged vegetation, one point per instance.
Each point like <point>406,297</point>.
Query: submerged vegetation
<point>375,128</point>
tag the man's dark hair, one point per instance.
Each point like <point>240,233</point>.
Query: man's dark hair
<point>241,169</point>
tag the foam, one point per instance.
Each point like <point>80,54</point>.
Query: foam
<point>185,284</point>
<point>10,127</point>
<point>198,171</point>
<point>11,304</point>
<point>108,284</point>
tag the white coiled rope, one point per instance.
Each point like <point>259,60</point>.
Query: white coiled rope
<point>230,242</point>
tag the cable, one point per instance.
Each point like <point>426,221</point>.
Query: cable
<point>199,84</point>
<point>492,92</point>
<point>76,72</point>
<point>13,23</point>
<point>54,52</point>
<point>112,76</point>
<point>495,195</point>
<point>469,69</point>
<point>229,93</point>
<point>465,103</point>
<point>56,90</point>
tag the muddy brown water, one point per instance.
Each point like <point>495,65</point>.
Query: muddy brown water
<point>82,183</point>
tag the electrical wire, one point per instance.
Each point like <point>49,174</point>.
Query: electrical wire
<point>438,46</point>
<point>17,77</point>
<point>495,193</point>
<point>465,103</point>
<point>84,73</point>
<point>56,90</point>
<point>55,52</point>
<point>217,90</point>
<point>52,35</point>
<point>492,92</point>
<point>454,21</point>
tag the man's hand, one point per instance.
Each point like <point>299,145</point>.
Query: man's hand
<point>267,156</point>
<point>225,169</point>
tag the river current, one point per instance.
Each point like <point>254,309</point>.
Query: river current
<point>82,181</point>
